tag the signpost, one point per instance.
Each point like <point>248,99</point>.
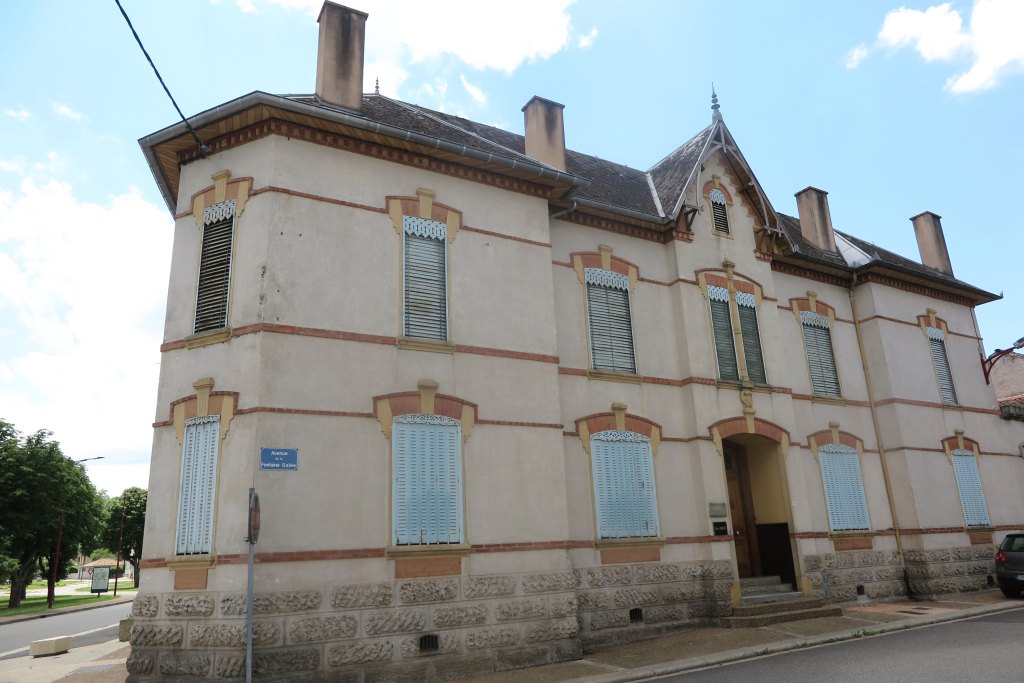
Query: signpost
<point>100,580</point>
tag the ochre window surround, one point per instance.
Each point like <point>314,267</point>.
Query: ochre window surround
<point>733,301</point>
<point>816,320</point>
<point>719,200</point>
<point>935,330</point>
<point>964,455</point>
<point>608,283</point>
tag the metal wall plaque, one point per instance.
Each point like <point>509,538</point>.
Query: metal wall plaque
<point>719,510</point>
<point>721,528</point>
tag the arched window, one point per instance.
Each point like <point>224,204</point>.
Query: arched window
<point>844,487</point>
<point>719,210</point>
<point>426,472</point>
<point>625,499</point>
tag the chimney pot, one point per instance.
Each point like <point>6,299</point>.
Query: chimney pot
<point>815,218</point>
<point>931,242</point>
<point>339,56</point>
<point>545,131</point>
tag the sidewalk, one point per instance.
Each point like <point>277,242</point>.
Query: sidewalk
<point>682,651</point>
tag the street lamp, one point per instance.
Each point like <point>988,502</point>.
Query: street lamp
<point>56,550</point>
<point>987,363</point>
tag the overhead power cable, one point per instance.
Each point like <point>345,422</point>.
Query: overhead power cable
<point>202,146</point>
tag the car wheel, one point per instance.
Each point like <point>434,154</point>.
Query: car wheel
<point>1010,592</point>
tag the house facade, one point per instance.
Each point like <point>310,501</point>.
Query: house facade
<point>537,400</point>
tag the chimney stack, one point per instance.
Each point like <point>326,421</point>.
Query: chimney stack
<point>339,56</point>
<point>815,219</point>
<point>545,132</point>
<point>931,243</point>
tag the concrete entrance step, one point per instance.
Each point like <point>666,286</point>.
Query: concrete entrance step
<point>780,617</point>
<point>768,589</point>
<point>769,598</point>
<point>751,581</point>
<point>796,603</point>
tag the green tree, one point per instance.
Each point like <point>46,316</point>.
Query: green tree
<point>43,495</point>
<point>130,507</point>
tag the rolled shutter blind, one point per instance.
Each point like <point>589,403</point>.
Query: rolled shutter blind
<point>844,488</point>
<point>198,485</point>
<point>937,342</point>
<point>215,269</point>
<point>609,315</point>
<point>968,481</point>
<point>721,324</point>
<point>820,357</point>
<point>624,493</point>
<point>426,500</point>
<point>425,279</point>
<point>751,338</point>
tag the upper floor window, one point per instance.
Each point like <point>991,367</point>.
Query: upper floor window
<point>844,488</point>
<point>611,328</point>
<point>820,357</point>
<point>624,496</point>
<point>198,485</point>
<point>937,343</point>
<point>719,210</point>
<point>215,267</point>
<point>426,471</point>
<point>722,326</point>
<point>425,279</point>
<point>968,482</point>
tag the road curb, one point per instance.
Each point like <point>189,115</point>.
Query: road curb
<point>64,610</point>
<point>730,656</point>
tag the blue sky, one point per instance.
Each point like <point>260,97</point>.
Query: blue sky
<point>893,109</point>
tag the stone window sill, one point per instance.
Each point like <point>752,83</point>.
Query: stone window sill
<point>431,345</point>
<point>191,561</point>
<point>439,550</point>
<point>739,385</point>
<point>853,533</point>
<point>830,400</point>
<point>206,338</point>
<point>633,542</point>
<point>626,377</point>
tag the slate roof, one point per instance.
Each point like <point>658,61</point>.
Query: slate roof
<point>670,174</point>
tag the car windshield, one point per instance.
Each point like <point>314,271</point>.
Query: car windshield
<point>1013,544</point>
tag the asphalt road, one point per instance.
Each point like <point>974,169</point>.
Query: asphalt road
<point>88,627</point>
<point>978,650</point>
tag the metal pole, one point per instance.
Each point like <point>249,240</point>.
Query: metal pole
<point>248,596</point>
<point>56,560</point>
<point>120,542</point>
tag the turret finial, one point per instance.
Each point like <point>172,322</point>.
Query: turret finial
<point>715,114</point>
<point>376,88</point>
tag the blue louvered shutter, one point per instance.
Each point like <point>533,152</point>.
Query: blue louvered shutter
<point>215,267</point>
<point>844,488</point>
<point>820,357</point>
<point>746,306</point>
<point>721,324</point>
<point>426,497</point>
<point>937,343</point>
<point>719,213</point>
<point>968,481</point>
<point>198,488</point>
<point>425,279</point>
<point>611,326</point>
<point>625,498</point>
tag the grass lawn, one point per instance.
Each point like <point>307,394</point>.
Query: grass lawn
<point>38,603</point>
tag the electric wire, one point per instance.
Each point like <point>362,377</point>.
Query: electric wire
<point>202,146</point>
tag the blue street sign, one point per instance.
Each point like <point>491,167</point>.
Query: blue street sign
<point>279,459</point>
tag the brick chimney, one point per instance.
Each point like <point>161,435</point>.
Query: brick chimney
<point>545,132</point>
<point>931,243</point>
<point>339,56</point>
<point>815,219</point>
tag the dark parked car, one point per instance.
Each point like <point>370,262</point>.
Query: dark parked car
<point>1010,565</point>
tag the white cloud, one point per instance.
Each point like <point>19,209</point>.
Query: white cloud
<point>588,40</point>
<point>18,114</point>
<point>993,41</point>
<point>66,111</point>
<point>476,93</point>
<point>12,165</point>
<point>246,6</point>
<point>82,290</point>
<point>856,55</point>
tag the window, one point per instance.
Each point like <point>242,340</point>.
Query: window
<point>425,279</point>
<point>937,342</point>
<point>215,267</point>
<point>968,481</point>
<point>426,499</point>
<point>719,212</point>
<point>611,329</point>
<point>198,485</point>
<point>725,349</point>
<point>624,495</point>
<point>844,488</point>
<point>820,358</point>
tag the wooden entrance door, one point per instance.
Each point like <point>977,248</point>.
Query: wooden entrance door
<point>741,505</point>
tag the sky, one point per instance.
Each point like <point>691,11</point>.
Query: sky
<point>892,108</point>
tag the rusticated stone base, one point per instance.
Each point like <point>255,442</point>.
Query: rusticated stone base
<point>434,629</point>
<point>949,570</point>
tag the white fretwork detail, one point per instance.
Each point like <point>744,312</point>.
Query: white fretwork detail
<point>836,448</point>
<point>716,293</point>
<point>202,420</point>
<point>421,419</point>
<point>219,212</point>
<point>619,435</point>
<point>424,227</point>
<point>936,333</point>
<point>605,278</point>
<point>814,319</point>
<point>745,299</point>
<point>717,196</point>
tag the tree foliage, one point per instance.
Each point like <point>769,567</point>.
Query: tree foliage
<point>132,503</point>
<point>43,491</point>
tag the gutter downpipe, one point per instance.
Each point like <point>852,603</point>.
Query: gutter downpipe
<point>878,439</point>
<point>558,214</point>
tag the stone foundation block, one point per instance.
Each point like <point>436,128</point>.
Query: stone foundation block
<point>272,603</point>
<point>525,608</point>
<point>154,635</point>
<point>521,658</point>
<point>366,595</point>
<point>551,582</point>
<point>145,606</point>
<point>140,663</point>
<point>611,619</point>
<point>464,667</point>
<point>564,606</point>
<point>655,573</point>
<point>489,586</point>
<point>395,621</point>
<point>460,616</point>
<point>635,597</point>
<point>609,576</point>
<point>188,605</point>
<point>176,664</point>
<point>488,638</point>
<point>365,651</point>
<point>552,630</point>
<point>264,634</point>
<point>320,629</point>
<point>428,591</point>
